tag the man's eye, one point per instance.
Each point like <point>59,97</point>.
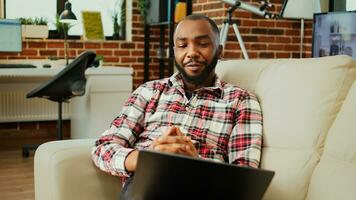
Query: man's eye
<point>181,45</point>
<point>203,44</point>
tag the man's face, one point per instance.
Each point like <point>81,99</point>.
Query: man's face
<point>196,50</point>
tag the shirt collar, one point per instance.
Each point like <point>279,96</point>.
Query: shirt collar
<point>176,80</point>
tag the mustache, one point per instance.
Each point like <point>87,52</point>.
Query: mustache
<point>193,61</point>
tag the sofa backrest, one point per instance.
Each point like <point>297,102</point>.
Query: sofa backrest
<point>335,175</point>
<point>300,99</point>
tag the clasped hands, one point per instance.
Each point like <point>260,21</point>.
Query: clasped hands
<point>173,141</point>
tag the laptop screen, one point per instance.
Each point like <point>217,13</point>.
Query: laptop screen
<point>10,35</point>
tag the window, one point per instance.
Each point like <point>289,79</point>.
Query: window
<point>29,9</point>
<point>108,9</point>
<point>35,8</point>
<point>350,5</point>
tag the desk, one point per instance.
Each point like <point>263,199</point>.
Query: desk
<point>107,89</point>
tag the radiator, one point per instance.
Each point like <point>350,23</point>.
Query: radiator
<point>15,107</point>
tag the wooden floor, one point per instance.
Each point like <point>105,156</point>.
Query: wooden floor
<point>16,175</point>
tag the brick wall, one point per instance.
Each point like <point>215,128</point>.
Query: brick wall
<point>263,38</point>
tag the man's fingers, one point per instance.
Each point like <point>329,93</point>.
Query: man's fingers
<point>172,140</point>
<point>171,148</point>
<point>179,132</point>
<point>171,131</point>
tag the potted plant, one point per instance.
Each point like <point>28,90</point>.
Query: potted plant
<point>143,6</point>
<point>119,14</point>
<point>34,27</point>
<point>61,28</point>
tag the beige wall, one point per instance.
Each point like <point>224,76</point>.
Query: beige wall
<point>324,5</point>
<point>1,8</point>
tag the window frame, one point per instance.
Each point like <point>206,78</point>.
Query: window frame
<point>60,7</point>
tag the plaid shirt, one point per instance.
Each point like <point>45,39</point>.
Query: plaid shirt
<point>225,120</point>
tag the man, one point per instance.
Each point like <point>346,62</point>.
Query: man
<point>191,113</point>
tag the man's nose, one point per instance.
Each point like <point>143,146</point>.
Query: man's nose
<point>192,52</point>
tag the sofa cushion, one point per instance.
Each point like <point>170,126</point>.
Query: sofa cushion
<point>300,99</point>
<point>335,175</point>
<point>64,171</point>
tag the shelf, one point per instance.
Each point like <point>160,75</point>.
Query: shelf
<point>162,26</point>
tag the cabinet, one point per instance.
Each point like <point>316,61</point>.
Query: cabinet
<point>107,89</point>
<point>169,25</point>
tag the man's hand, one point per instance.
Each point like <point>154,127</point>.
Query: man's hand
<point>131,161</point>
<point>174,141</point>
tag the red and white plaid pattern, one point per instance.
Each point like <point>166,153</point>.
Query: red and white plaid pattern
<point>225,120</point>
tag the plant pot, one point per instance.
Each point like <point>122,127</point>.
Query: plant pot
<point>35,31</point>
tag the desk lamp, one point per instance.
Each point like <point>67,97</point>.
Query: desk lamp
<point>67,17</point>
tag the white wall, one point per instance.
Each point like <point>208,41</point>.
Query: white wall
<point>350,5</point>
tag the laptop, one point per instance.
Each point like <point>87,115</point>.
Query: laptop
<point>171,176</point>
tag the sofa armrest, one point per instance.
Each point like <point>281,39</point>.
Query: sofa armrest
<point>64,171</point>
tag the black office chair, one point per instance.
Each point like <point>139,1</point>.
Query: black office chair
<point>68,83</point>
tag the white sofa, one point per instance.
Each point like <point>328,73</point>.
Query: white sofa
<point>309,139</point>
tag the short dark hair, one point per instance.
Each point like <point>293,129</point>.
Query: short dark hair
<point>213,25</point>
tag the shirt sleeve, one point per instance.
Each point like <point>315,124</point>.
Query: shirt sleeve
<point>244,146</point>
<point>112,148</point>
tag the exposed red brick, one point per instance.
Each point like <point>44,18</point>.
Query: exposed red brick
<point>283,55</point>
<point>127,60</point>
<point>104,52</point>
<point>76,45</point>
<point>16,57</point>
<point>110,45</point>
<point>266,55</point>
<point>92,45</point>
<point>111,59</point>
<point>37,57</point>
<point>127,45</point>
<point>267,39</point>
<point>275,47</point>
<point>263,38</point>
<point>249,23</point>
<point>29,52</point>
<point>121,52</point>
<point>55,45</point>
<point>137,53</point>
<point>259,46</point>
<point>283,39</point>
<point>292,32</point>
<point>291,47</point>
<point>266,23</point>
<point>36,45</point>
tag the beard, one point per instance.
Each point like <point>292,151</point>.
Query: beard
<point>200,78</point>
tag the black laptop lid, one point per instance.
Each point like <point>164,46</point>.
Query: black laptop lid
<point>171,176</point>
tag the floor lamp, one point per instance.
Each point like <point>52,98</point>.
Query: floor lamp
<point>67,17</point>
<point>300,9</point>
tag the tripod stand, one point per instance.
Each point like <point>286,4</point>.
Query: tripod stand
<point>225,30</point>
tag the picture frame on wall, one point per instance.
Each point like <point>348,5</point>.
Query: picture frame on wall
<point>92,25</point>
<point>334,34</point>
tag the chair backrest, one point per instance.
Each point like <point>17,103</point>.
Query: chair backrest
<point>67,83</point>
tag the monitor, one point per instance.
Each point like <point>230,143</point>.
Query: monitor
<point>10,35</point>
<point>334,34</point>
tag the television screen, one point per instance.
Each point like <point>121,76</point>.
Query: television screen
<point>10,35</point>
<point>334,34</point>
